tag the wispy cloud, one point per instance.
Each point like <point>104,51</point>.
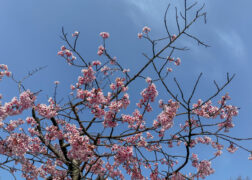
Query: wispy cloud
<point>143,12</point>
<point>147,6</point>
<point>233,44</point>
<point>149,11</point>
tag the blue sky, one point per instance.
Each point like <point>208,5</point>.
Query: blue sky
<point>30,31</point>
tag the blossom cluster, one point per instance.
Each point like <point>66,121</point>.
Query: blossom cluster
<point>145,30</point>
<point>15,106</point>
<point>165,118</point>
<point>114,171</point>
<point>149,94</point>
<point>122,153</point>
<point>88,76</point>
<point>115,107</point>
<point>204,169</point>
<point>100,50</point>
<point>81,149</point>
<point>67,54</point>
<point>4,71</point>
<point>52,133</point>
<point>135,121</point>
<point>226,112</point>
<point>94,99</point>
<point>48,111</point>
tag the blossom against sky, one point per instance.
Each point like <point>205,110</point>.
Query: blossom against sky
<point>30,38</point>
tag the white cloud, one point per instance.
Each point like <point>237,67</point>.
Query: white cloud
<point>150,7</point>
<point>233,44</point>
<point>150,11</point>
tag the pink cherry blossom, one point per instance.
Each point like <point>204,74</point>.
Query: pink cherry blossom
<point>98,133</point>
<point>48,111</point>
<point>177,62</point>
<point>63,48</point>
<point>218,153</point>
<point>76,33</point>
<point>204,169</point>
<point>96,63</point>
<point>169,69</point>
<point>61,53</point>
<point>7,73</point>
<point>146,29</point>
<point>73,58</point>
<point>113,60</point>
<point>150,93</point>
<point>104,35</point>
<point>250,156</point>
<point>140,35</point>
<point>232,148</point>
<point>178,176</point>
<point>165,118</point>
<point>88,76</point>
<point>68,53</point>
<point>122,153</point>
<point>56,82</point>
<point>126,70</point>
<point>105,70</point>
<point>100,50</point>
<point>173,37</point>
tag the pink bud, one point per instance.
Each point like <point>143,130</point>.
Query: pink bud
<point>100,52</point>
<point>148,80</point>
<point>146,29</point>
<point>173,37</point>
<point>72,87</point>
<point>169,69</point>
<point>76,33</point>
<point>73,58</point>
<point>140,35</point>
<point>63,48</point>
<point>178,62</point>
<point>7,73</point>
<point>101,48</point>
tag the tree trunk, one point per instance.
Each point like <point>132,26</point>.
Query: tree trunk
<point>74,170</point>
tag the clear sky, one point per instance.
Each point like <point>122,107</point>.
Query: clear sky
<point>30,38</point>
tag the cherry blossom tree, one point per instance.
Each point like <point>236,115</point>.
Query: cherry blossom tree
<point>95,135</point>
